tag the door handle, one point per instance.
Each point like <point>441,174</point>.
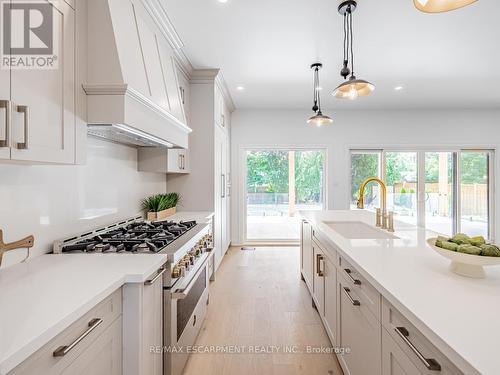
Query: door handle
<point>347,292</point>
<point>223,186</point>
<point>161,271</point>
<point>319,259</point>
<point>26,111</point>
<point>8,115</point>
<point>349,274</point>
<point>179,161</point>
<point>63,350</point>
<point>430,363</point>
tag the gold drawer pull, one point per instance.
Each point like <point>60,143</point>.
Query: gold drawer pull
<point>63,350</point>
<point>430,363</point>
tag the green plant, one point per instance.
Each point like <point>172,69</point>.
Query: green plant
<point>160,202</point>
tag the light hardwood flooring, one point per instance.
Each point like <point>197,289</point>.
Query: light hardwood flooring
<point>258,301</point>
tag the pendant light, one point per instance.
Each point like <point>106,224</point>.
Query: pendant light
<point>438,6</point>
<point>353,87</point>
<point>319,119</point>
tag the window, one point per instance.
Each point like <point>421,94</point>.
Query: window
<point>445,191</point>
<point>279,183</point>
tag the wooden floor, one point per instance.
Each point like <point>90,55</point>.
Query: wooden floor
<point>259,302</point>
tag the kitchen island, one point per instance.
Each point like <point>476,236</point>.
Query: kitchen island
<point>417,316</point>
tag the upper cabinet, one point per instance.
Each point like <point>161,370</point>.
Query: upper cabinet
<point>222,113</point>
<point>38,104</point>
<point>185,94</point>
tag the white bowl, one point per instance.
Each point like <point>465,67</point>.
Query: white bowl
<point>465,264</point>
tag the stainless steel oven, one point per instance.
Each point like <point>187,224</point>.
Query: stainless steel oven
<point>184,309</point>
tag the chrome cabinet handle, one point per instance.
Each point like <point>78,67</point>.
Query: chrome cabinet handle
<point>179,161</point>
<point>347,292</point>
<point>26,111</point>
<point>8,115</point>
<point>319,271</point>
<point>161,271</point>
<point>349,274</point>
<point>63,350</point>
<point>430,363</point>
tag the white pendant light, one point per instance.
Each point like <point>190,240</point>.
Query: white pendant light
<point>318,119</point>
<point>438,6</point>
<point>353,87</point>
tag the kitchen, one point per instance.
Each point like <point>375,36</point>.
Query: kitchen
<point>210,101</point>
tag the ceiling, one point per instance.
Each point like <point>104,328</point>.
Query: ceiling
<point>448,60</point>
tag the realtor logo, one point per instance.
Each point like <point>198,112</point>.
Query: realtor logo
<point>28,37</point>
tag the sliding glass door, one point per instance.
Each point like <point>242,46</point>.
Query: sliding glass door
<point>445,191</point>
<point>278,184</point>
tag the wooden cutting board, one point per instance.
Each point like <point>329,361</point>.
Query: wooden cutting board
<point>25,243</point>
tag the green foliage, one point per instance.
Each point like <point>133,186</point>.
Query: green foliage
<point>474,168</point>
<point>363,166</point>
<point>267,172</point>
<point>160,202</point>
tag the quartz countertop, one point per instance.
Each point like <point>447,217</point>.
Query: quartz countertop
<point>459,315</point>
<point>199,216</point>
<point>43,296</point>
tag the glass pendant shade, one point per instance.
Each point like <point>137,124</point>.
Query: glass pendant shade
<point>438,6</point>
<point>319,120</point>
<point>353,88</point>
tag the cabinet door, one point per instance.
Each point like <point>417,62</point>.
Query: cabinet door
<point>152,326</point>
<point>306,253</point>
<point>394,360</point>
<point>103,357</point>
<point>177,161</point>
<point>360,331</point>
<point>185,93</point>
<point>218,197</point>
<point>331,300</point>
<point>319,278</point>
<point>225,202</point>
<point>43,113</point>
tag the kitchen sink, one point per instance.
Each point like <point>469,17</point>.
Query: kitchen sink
<point>357,230</point>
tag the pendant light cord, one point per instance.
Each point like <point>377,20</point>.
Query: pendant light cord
<point>317,90</point>
<point>345,38</point>
<point>351,43</point>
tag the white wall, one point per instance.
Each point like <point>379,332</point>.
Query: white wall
<point>463,128</point>
<point>55,201</point>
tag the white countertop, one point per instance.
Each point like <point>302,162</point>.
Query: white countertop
<point>461,316</point>
<point>45,295</point>
<point>199,216</point>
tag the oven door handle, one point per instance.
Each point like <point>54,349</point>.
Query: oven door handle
<point>183,293</point>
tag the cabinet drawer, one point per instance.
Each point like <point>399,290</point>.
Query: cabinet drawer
<point>424,355</point>
<point>45,362</point>
<point>367,293</point>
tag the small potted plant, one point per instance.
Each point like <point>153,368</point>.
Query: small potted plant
<point>160,206</point>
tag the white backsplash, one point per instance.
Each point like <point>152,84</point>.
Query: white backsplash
<point>55,201</point>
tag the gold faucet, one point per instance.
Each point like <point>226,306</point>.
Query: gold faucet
<point>382,216</point>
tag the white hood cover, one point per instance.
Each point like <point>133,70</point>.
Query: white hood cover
<point>132,76</point>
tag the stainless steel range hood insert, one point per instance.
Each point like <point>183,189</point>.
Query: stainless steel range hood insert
<point>125,134</point>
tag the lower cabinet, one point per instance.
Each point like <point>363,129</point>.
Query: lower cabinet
<point>103,357</point>
<point>394,360</point>
<point>318,278</point>
<point>306,255</point>
<point>90,346</point>
<point>360,331</point>
<point>330,318</point>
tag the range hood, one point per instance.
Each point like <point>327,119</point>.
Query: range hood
<point>132,88</point>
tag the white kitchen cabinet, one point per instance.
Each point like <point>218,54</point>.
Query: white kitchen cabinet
<point>207,187</point>
<point>42,102</point>
<point>91,345</point>
<point>152,324</point>
<point>360,331</point>
<point>161,160</point>
<point>103,357</point>
<point>184,89</point>
<point>330,316</point>
<point>394,360</point>
<point>318,278</point>
<point>306,253</point>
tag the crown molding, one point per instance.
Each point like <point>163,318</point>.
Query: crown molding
<point>221,82</point>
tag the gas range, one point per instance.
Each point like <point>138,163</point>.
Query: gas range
<point>129,236</point>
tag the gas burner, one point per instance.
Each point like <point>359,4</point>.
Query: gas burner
<point>132,237</point>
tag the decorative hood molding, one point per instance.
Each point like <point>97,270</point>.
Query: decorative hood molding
<point>132,74</point>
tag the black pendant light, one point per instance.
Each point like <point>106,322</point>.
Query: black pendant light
<point>353,87</point>
<point>319,119</point>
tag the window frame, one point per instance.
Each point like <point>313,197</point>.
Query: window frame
<point>456,157</point>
